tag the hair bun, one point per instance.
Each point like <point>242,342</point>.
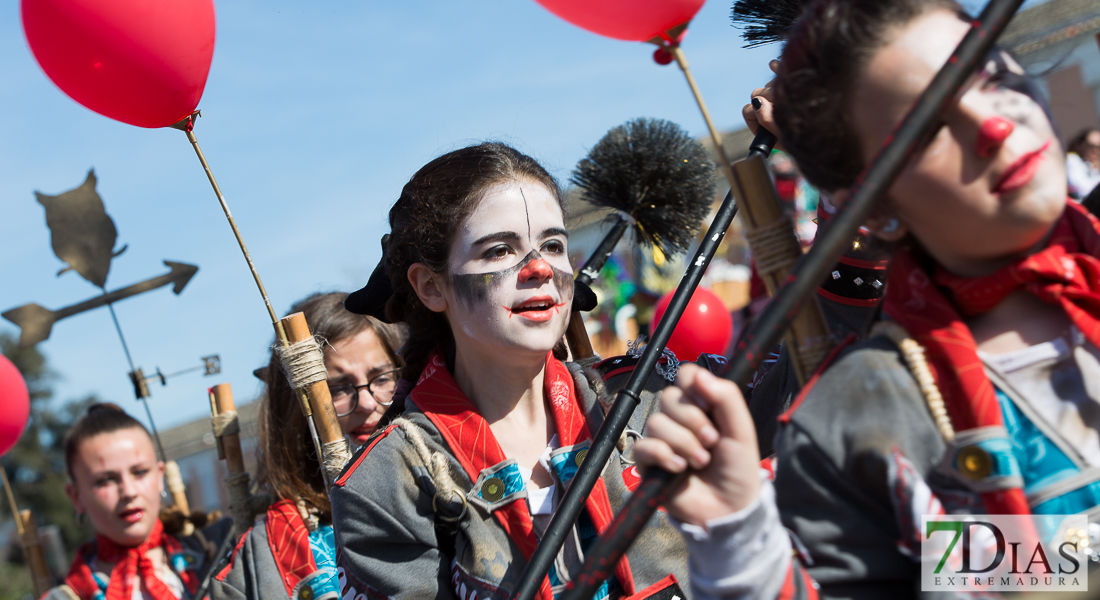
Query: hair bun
<point>101,406</point>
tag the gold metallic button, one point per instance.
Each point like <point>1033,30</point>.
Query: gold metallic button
<point>493,489</point>
<point>305,593</point>
<point>974,462</point>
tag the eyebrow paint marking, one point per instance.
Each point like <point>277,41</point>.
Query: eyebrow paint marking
<point>527,212</point>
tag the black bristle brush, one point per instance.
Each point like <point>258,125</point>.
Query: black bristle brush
<point>766,21</point>
<point>656,177</point>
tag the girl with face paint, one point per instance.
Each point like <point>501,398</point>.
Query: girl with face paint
<point>116,483</point>
<point>978,392</point>
<point>451,496</point>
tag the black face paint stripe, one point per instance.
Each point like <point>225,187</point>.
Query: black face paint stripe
<point>474,288</point>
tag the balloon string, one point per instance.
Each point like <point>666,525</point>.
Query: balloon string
<point>715,137</point>
<point>187,125</point>
<point>233,225</point>
<point>11,501</point>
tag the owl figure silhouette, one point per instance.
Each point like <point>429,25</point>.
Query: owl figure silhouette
<point>82,234</point>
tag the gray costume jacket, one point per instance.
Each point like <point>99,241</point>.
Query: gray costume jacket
<point>429,508</point>
<point>859,461</point>
<point>275,560</point>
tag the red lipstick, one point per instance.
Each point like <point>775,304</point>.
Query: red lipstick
<point>540,309</point>
<point>1020,172</point>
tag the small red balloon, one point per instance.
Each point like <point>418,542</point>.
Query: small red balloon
<point>706,326</point>
<point>631,20</point>
<point>136,61</point>
<point>15,404</point>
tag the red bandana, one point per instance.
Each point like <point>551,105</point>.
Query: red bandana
<point>130,563</point>
<point>1066,273</point>
<point>475,447</point>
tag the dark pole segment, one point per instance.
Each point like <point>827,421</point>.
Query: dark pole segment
<point>591,269</point>
<point>620,535</point>
<point>625,402</point>
<point>812,268</point>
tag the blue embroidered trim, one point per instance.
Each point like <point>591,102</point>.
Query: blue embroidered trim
<point>324,580</point>
<point>510,477</point>
<point>182,562</point>
<point>565,463</point>
<point>102,581</point>
<point>1042,463</point>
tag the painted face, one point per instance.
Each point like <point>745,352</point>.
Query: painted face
<point>355,361</point>
<point>511,283</point>
<point>118,482</point>
<point>991,182</point>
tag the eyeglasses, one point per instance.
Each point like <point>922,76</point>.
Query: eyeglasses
<point>345,396</point>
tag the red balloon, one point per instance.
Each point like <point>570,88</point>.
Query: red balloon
<point>141,62</point>
<point>706,326</point>
<point>631,20</point>
<point>15,404</point>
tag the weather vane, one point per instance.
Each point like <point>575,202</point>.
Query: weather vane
<point>83,236</point>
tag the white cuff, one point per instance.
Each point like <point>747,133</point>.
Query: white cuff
<point>745,554</point>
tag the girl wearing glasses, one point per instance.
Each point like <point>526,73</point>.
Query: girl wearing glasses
<point>289,554</point>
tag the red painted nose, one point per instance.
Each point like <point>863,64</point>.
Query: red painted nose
<point>536,269</point>
<point>992,135</point>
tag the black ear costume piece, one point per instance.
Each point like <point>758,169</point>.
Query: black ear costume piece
<point>584,299</point>
<point>766,21</point>
<point>372,299</point>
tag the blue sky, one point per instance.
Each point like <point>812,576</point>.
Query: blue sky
<point>314,116</point>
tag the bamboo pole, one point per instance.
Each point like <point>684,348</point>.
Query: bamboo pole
<point>28,538</point>
<point>716,138</point>
<point>186,125</point>
<point>222,395</point>
<point>320,401</point>
<point>775,246</point>
<point>35,556</point>
<point>178,490</point>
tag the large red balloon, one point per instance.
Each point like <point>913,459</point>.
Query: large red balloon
<point>631,20</point>
<point>706,326</point>
<point>15,404</point>
<point>142,62</point>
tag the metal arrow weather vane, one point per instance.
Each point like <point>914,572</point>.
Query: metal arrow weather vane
<point>83,236</point>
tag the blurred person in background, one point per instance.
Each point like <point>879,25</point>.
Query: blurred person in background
<point>1083,163</point>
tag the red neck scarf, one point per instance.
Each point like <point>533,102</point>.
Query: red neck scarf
<point>931,309</point>
<point>132,568</point>
<point>475,447</point>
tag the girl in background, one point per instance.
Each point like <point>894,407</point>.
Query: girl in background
<point>289,553</point>
<point>116,483</point>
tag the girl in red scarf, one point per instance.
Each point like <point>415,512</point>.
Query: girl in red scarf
<point>116,484</point>
<point>980,395</point>
<point>450,498</point>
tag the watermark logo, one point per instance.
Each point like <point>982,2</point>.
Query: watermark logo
<point>1000,553</point>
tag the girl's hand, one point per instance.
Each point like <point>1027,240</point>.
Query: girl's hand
<point>722,454</point>
<point>763,116</point>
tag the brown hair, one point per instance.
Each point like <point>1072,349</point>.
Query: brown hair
<point>288,465</point>
<point>423,223</point>
<point>1079,143</point>
<point>102,417</point>
<point>827,50</point>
